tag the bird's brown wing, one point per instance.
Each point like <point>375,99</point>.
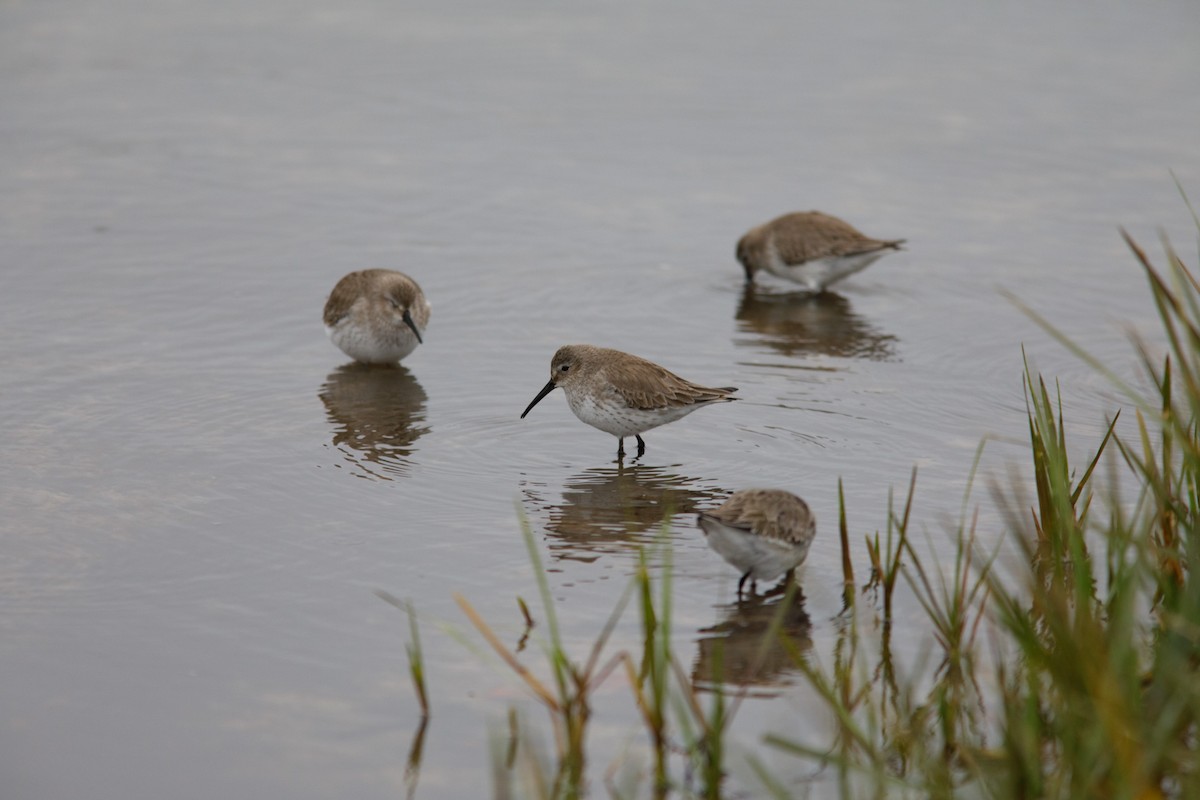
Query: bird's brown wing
<point>342,298</point>
<point>809,235</point>
<point>774,514</point>
<point>645,385</point>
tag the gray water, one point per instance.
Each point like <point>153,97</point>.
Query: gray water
<point>201,498</point>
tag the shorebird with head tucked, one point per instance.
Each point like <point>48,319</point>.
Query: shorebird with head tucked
<point>622,394</point>
<point>376,315</point>
<point>764,533</point>
<point>809,248</point>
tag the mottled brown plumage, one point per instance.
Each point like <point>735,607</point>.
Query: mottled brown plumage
<point>376,315</point>
<point>623,394</point>
<point>353,286</point>
<point>643,384</point>
<point>764,533</point>
<point>772,513</point>
<point>833,248</point>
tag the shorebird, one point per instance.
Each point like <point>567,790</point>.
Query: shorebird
<point>809,248</point>
<point>764,533</point>
<point>376,315</point>
<point>623,394</point>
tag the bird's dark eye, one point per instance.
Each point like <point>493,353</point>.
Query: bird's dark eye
<point>564,368</point>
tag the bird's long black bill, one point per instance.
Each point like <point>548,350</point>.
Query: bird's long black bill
<point>547,389</point>
<point>408,320</point>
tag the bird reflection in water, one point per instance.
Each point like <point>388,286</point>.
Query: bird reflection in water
<point>801,323</point>
<point>377,412</point>
<point>615,509</point>
<point>740,650</point>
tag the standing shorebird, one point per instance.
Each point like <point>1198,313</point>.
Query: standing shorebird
<point>809,248</point>
<point>764,533</point>
<point>622,394</point>
<point>376,315</point>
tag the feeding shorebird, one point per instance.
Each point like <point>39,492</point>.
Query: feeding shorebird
<point>809,248</point>
<point>764,533</point>
<point>622,394</point>
<point>376,315</point>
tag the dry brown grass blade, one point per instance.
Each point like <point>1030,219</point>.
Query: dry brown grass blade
<point>689,694</point>
<point>631,674</point>
<point>531,681</point>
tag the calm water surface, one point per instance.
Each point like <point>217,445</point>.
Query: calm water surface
<point>201,497</point>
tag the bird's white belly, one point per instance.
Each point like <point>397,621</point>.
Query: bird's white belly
<point>364,344</point>
<point>819,273</point>
<point>764,558</point>
<point>619,419</point>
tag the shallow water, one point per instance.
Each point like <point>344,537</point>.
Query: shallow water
<point>201,498</point>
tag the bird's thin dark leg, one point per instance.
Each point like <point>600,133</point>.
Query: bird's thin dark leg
<point>620,447</point>
<point>742,583</point>
<point>641,445</point>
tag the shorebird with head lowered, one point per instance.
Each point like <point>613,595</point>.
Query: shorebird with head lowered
<point>376,316</point>
<point>812,249</point>
<point>623,394</point>
<point>763,533</point>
